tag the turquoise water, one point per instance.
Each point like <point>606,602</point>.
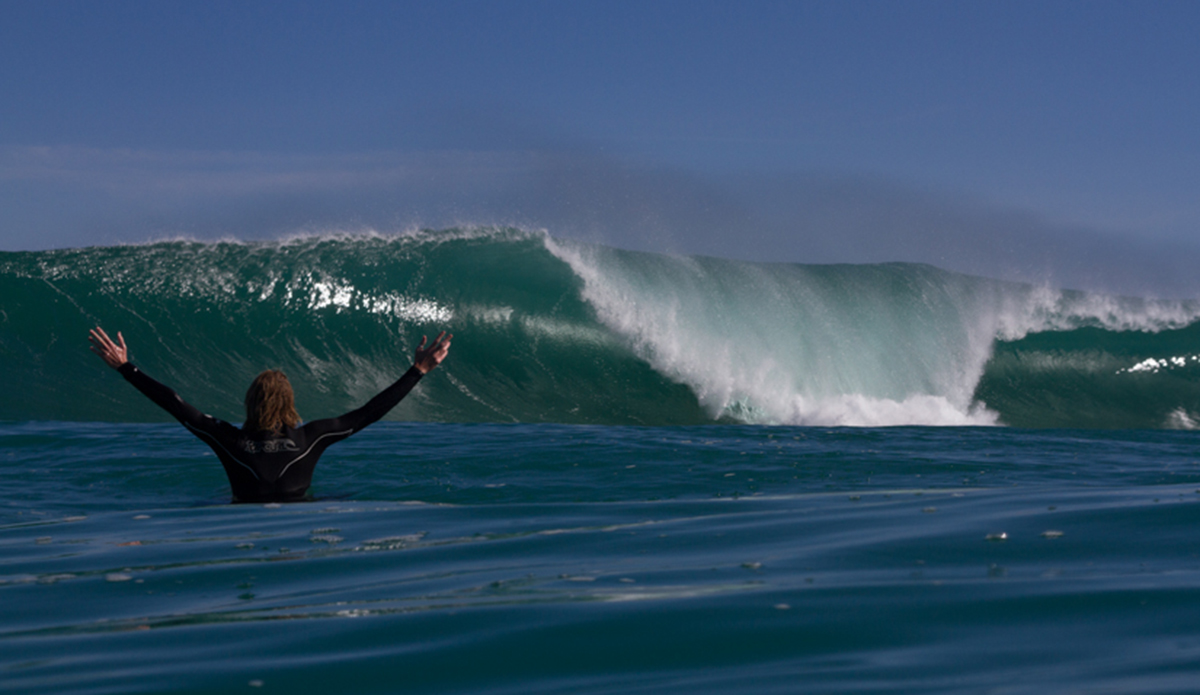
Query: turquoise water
<point>449,558</point>
<point>634,473</point>
<point>559,332</point>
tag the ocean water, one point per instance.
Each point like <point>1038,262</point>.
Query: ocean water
<point>593,559</point>
<point>634,473</point>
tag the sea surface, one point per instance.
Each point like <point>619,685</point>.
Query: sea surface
<point>634,473</point>
<point>457,558</point>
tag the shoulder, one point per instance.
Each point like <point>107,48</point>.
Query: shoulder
<point>215,425</point>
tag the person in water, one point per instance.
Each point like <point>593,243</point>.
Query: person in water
<point>272,456</point>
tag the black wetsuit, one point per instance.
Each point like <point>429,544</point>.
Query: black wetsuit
<point>269,466</point>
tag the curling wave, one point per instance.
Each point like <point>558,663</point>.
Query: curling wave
<point>549,330</point>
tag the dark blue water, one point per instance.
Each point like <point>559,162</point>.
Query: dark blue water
<point>444,558</point>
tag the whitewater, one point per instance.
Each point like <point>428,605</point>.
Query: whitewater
<point>553,330</point>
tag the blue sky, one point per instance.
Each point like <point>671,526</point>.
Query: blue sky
<point>1019,139</point>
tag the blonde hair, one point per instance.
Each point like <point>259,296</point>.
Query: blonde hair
<point>270,403</point>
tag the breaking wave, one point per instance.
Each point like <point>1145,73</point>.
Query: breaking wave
<point>548,330</point>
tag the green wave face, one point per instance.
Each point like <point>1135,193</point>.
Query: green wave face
<point>1090,377</point>
<point>551,331</point>
<point>339,315</point>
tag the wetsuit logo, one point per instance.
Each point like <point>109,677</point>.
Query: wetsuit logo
<point>268,446</point>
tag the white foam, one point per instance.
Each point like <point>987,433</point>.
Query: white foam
<point>1180,419</point>
<point>853,410</point>
<point>795,345</point>
<point>1153,365</point>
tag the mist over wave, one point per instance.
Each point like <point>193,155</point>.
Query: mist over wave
<point>868,345</point>
<point>549,330</point>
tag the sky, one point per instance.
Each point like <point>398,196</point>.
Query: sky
<point>1042,141</point>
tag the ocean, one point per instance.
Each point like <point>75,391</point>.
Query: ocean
<point>634,473</point>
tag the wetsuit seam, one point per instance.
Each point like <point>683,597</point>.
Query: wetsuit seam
<point>217,442</point>
<point>310,448</point>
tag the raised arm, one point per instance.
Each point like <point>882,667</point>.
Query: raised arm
<point>425,359</point>
<point>116,355</point>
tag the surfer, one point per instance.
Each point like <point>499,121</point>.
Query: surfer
<point>271,457</point>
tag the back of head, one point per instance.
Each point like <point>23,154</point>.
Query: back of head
<point>270,403</point>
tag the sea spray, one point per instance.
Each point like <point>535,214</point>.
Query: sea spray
<point>853,345</point>
<point>885,344</point>
<point>549,330</point>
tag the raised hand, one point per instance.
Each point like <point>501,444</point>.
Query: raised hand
<point>428,358</point>
<point>114,355</point>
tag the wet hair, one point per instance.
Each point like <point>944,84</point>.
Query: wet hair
<point>270,403</point>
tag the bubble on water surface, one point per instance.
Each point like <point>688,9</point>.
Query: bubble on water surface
<point>1052,534</point>
<point>117,577</point>
<point>19,579</point>
<point>392,542</point>
<point>52,578</point>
